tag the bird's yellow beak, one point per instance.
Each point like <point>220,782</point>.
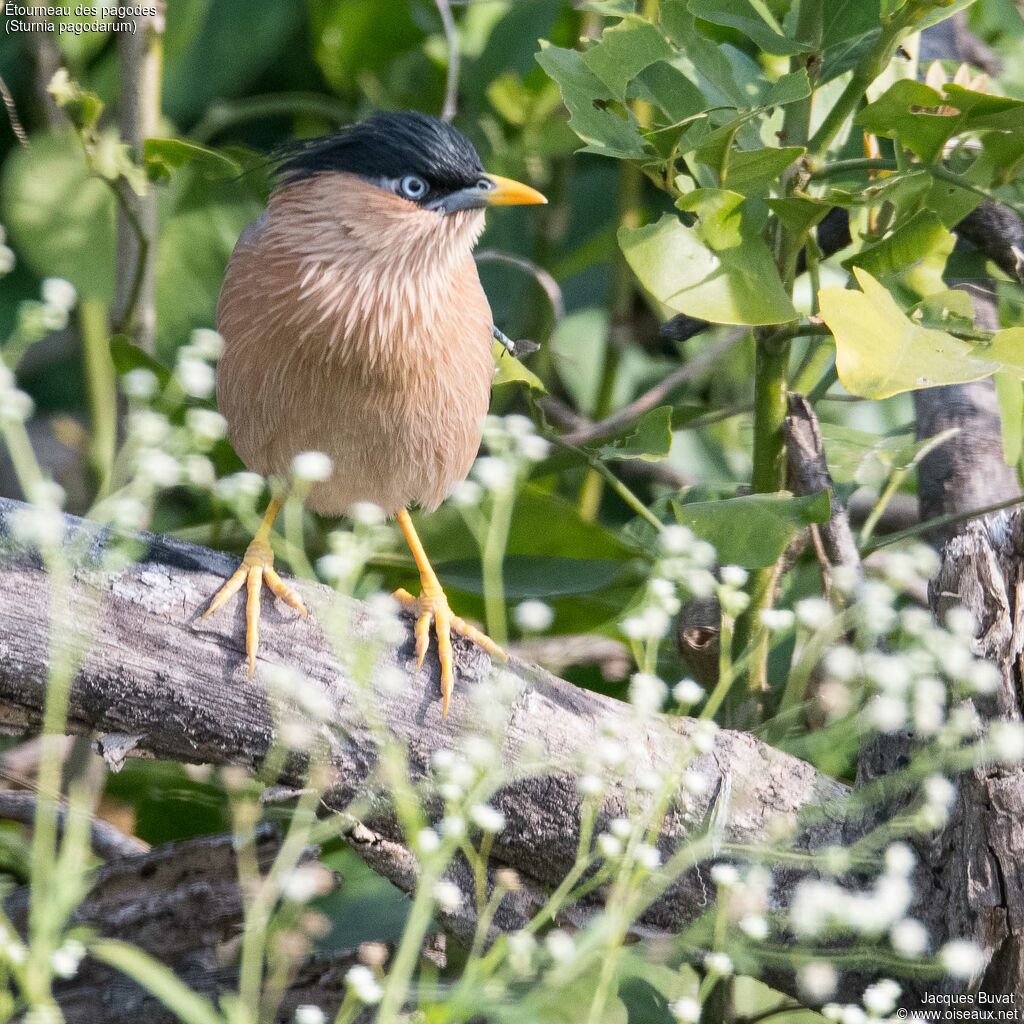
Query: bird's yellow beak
<point>507,192</point>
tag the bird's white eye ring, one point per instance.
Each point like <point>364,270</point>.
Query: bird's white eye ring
<point>413,186</point>
<point>485,184</point>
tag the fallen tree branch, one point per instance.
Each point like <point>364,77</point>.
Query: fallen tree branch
<point>153,671</point>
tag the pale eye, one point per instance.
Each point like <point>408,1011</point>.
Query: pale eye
<point>485,185</point>
<point>413,187</point>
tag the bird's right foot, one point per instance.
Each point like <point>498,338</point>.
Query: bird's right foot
<point>256,569</point>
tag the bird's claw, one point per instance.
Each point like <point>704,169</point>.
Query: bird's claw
<point>432,607</point>
<point>256,569</point>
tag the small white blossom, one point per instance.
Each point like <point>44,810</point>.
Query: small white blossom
<point>46,493</point>
<point>307,1013</point>
<point>647,692</point>
<point>65,960</point>
<point>195,377</point>
<point>139,383</point>
<point>651,623</point>
<point>493,474</point>
<point>887,714</point>
<point>695,783</point>
<point>983,677</point>
<point>147,427</point>
<point>427,840</point>
<point>777,619</point>
<point>817,980</point>
<point>200,472</point>
<point>16,406</point>
<point>881,997</point>
<point>688,692</point>
<point>909,937</point>
<point>814,613</point>
<point>366,513</point>
<point>900,860</point>
<point>487,818</point>
<point>648,857</point>
<point>1007,740</point>
<point>453,826</point>
<point>59,293</point>
<point>608,846</point>
<point>158,467</point>
<point>621,827</point>
<point>306,882</point>
<point>962,959</point>
<point>686,1010</point>
<point>206,424</point>
<point>718,963</point>
<point>589,785</point>
<point>754,926</point>
<point>725,876</point>
<point>466,494</point>
<point>734,575</point>
<point>363,985</point>
<point>448,896</point>
<point>6,259</point>
<point>206,343</point>
<point>703,736</point>
<point>533,448</point>
<point>559,945</point>
<point>312,467</point>
<point>533,616</point>
<point>676,540</point>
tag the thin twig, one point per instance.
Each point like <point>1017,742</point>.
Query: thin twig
<point>656,395</point>
<point>12,113</point>
<point>451,36</point>
<point>551,287</point>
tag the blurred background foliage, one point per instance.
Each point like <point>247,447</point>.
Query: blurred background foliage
<point>243,76</point>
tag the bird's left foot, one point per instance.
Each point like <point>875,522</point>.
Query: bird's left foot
<point>432,607</point>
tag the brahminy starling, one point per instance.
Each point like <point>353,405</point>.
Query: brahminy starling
<point>355,324</point>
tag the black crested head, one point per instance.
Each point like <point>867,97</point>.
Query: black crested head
<point>389,146</point>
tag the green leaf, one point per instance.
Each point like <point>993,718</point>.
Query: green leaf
<point>511,371</point>
<point>848,19</point>
<point>918,249</point>
<point>666,86</point>
<point>754,170</point>
<point>881,352</point>
<point>157,979</point>
<point>537,576</point>
<point>753,529</point>
<point>648,439</point>
<point>624,51</point>
<point>858,457</point>
<point>1010,393</point>
<point>128,357</point>
<point>735,285</point>
<point>742,15</point>
<point>161,156</point>
<point>583,93</point>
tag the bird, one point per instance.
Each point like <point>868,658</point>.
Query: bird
<point>355,324</point>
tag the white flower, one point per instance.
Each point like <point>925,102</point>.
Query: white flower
<point>939,791</point>
<point>853,1015</point>
<point>448,896</point>
<point>777,619</point>
<point>65,960</point>
<point>59,293</point>
<point>199,471</point>
<point>754,926</point>
<point>695,783</point>
<point>516,425</point>
<point>648,857</point>
<point>533,448</point>
<point>195,377</point>
<point>533,616</point>
<point>718,963</point>
<point>650,624</point>
<point>703,736</point>
<point>909,937</point>
<point>560,945</point>
<point>363,985</point>
<point>881,997</point>
<point>608,846</point>
<point>734,575</point>
<point>900,860</point>
<point>814,613</point>
<point>493,474</point>
<point>139,383</point>
<point>725,876</point>
<point>688,692</point>
<point>306,882</point>
<point>158,467</point>
<point>734,602</point>
<point>1007,739</point>
<point>427,840</point>
<point>817,980</point>
<point>307,1013</point>
<point>622,828</point>
<point>15,406</point>
<point>686,1010</point>
<point>365,513</point>
<point>466,494</point>
<point>47,493</point>
<point>147,427</point>
<point>842,663</point>
<point>589,785</point>
<point>647,692</point>
<point>453,826</point>
<point>206,424</point>
<point>983,677</point>
<point>312,467</point>
<point>206,343</point>
<point>487,818</point>
<point>962,959</point>
<point>6,259</point>
<point>676,540</point>
<point>886,714</point>
<point>960,621</point>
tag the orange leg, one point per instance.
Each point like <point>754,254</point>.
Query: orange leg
<point>256,569</point>
<point>432,606</point>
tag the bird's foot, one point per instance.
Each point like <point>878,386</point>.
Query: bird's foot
<point>432,606</point>
<point>256,569</point>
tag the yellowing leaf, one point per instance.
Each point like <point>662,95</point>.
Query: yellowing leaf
<point>881,352</point>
